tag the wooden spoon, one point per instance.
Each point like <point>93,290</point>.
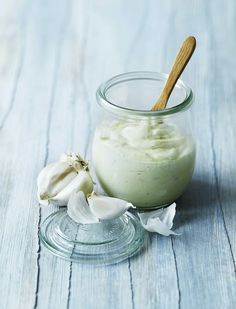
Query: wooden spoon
<point>179,65</point>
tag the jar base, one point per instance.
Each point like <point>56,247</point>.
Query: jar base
<point>152,207</point>
<point>102,243</point>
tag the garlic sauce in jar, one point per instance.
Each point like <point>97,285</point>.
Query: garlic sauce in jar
<point>144,157</point>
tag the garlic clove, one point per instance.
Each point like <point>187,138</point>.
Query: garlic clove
<point>78,209</point>
<point>53,178</point>
<point>159,221</point>
<point>105,207</point>
<point>82,182</point>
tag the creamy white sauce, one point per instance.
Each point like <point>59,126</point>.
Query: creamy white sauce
<point>146,163</point>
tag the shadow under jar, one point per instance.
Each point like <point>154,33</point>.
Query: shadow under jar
<point>141,156</point>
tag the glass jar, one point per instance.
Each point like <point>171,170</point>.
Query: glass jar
<point>145,157</point>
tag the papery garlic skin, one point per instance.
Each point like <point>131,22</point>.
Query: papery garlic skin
<point>58,180</point>
<point>105,207</point>
<point>159,221</point>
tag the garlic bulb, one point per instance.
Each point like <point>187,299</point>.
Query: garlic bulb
<point>57,181</point>
<point>95,208</point>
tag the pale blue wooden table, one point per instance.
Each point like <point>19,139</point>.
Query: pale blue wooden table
<point>53,55</point>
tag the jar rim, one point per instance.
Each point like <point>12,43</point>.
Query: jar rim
<point>139,75</point>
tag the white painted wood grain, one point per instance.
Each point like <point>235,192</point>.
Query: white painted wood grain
<point>53,55</point>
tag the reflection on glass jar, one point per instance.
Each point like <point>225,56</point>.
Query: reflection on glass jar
<point>144,157</point>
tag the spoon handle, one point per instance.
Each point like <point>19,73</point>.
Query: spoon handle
<point>179,65</point>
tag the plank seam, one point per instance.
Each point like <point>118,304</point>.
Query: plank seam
<point>44,164</point>
<point>177,273</point>
<point>69,287</point>
<point>131,284</point>
<point>70,275</point>
<point>38,258</point>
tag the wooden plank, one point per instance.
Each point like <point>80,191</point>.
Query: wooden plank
<point>223,126</point>
<point>12,216</point>
<point>204,249</point>
<point>26,132</point>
